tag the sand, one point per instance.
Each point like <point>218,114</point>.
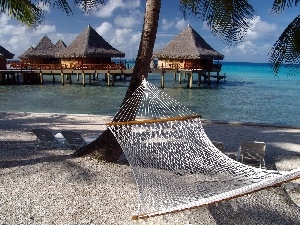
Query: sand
<point>53,187</point>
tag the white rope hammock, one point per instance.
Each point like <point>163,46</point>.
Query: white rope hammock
<point>176,166</point>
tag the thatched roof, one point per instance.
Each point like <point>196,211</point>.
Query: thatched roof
<point>5,53</point>
<point>60,45</point>
<point>44,49</point>
<point>25,54</point>
<point>188,45</point>
<point>89,44</point>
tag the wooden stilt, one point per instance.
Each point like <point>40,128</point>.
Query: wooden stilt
<point>53,78</point>
<point>175,75</point>
<point>70,78</point>
<point>83,78</point>
<point>179,78</point>
<point>208,77</point>
<point>41,78</point>
<point>218,77</point>
<point>162,79</point>
<point>90,79</point>
<point>199,78</point>
<point>14,78</point>
<point>113,77</point>
<point>62,78</point>
<point>190,80</point>
<point>108,78</point>
<point>77,76</point>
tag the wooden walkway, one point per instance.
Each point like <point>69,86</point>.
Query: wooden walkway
<point>207,76</point>
<point>36,76</point>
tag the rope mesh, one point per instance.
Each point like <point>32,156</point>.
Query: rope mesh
<point>175,165</point>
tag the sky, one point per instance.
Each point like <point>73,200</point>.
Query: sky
<point>120,23</point>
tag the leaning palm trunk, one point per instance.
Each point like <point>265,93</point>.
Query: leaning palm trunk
<point>106,147</point>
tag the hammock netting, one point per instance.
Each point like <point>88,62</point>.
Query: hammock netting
<point>175,165</point>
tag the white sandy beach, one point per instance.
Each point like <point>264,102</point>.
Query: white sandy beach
<point>53,187</point>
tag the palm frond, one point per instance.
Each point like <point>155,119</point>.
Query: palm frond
<point>60,4</point>
<point>228,19</point>
<point>89,6</point>
<point>281,5</point>
<point>286,50</point>
<point>22,10</point>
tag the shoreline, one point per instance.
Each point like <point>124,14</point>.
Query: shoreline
<point>205,121</point>
<point>51,186</point>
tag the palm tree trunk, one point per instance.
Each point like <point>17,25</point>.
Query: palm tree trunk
<point>106,147</point>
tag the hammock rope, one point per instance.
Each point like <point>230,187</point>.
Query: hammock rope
<point>175,165</point>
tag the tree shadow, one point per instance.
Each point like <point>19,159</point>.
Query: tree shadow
<point>17,147</point>
<point>272,206</point>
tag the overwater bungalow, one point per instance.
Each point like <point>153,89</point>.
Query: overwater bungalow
<point>24,57</point>
<point>89,51</point>
<point>43,53</point>
<point>188,50</point>
<point>60,45</point>
<point>4,55</point>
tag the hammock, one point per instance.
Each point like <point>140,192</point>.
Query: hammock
<point>175,165</point>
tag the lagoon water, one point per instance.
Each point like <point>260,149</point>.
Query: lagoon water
<point>250,93</point>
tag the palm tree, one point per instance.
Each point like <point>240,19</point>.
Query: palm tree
<point>106,147</point>
<point>218,14</point>
<point>228,19</point>
<point>22,10</point>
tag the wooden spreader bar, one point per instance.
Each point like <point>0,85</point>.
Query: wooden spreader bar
<point>153,214</point>
<point>132,122</point>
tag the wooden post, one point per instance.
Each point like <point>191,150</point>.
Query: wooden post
<point>62,78</point>
<point>70,78</point>
<point>208,77</point>
<point>41,78</point>
<point>199,78</point>
<point>218,76</point>
<point>113,77</point>
<point>94,76</point>
<point>90,77</point>
<point>190,80</point>
<point>162,79</point>
<point>83,78</point>
<point>179,78</point>
<point>175,75</point>
<point>77,76</point>
<point>108,78</point>
<point>53,78</point>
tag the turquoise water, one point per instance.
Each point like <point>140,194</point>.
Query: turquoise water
<point>251,93</point>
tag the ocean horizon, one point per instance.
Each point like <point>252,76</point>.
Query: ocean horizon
<point>251,93</point>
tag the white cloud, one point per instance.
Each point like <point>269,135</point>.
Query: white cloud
<point>44,29</point>
<point>127,21</point>
<point>124,39</point>
<point>4,20</point>
<point>246,51</point>
<point>44,6</point>
<point>111,6</point>
<point>166,25</point>
<point>104,28</point>
<point>17,38</point>
<point>181,24</point>
<point>259,29</point>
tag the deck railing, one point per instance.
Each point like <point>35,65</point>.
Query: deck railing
<point>100,66</point>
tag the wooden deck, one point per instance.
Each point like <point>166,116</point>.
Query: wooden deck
<point>36,76</point>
